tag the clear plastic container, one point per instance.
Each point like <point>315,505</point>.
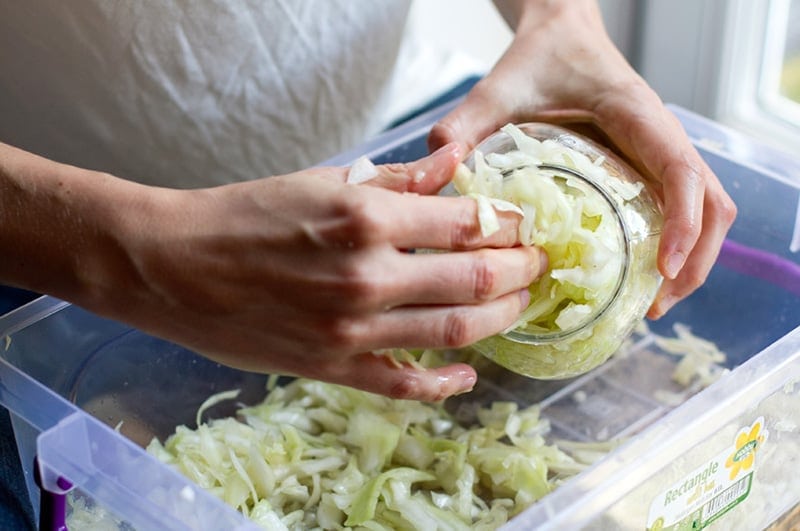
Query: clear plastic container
<point>69,377</point>
<point>601,233</point>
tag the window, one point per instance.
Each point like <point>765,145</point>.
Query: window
<point>790,67</point>
<point>779,82</point>
<point>760,81</point>
<point>736,61</point>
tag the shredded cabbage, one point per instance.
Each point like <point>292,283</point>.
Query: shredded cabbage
<point>361,171</point>
<point>318,455</point>
<point>699,357</point>
<point>315,455</point>
<point>569,326</point>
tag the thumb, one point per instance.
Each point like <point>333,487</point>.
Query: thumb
<point>474,119</point>
<point>423,176</point>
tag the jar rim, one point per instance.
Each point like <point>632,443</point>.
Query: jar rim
<point>531,338</point>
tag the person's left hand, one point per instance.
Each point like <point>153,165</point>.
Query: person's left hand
<point>562,68</point>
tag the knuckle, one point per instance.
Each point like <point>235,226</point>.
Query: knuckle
<point>691,279</point>
<point>440,134</point>
<point>344,334</point>
<point>456,330</point>
<point>395,170</point>
<point>727,209</point>
<point>540,261</point>
<point>686,226</point>
<point>484,277</point>
<point>405,388</point>
<point>465,231</point>
<point>363,220</point>
<point>360,286</point>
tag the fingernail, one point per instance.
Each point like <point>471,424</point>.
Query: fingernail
<point>524,297</point>
<point>674,264</point>
<point>467,386</point>
<point>541,263</point>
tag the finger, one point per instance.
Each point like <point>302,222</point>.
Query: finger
<point>421,221</point>
<point>380,374</point>
<point>434,222</point>
<point>373,217</point>
<point>376,216</point>
<point>718,216</point>
<point>665,153</point>
<point>697,211</point>
<point>441,326</point>
<point>424,176</point>
<point>466,277</point>
<point>684,190</point>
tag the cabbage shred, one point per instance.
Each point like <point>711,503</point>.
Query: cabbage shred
<point>318,455</point>
<point>573,222</point>
<point>599,227</point>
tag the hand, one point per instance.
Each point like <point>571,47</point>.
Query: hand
<point>562,68</point>
<point>304,274</point>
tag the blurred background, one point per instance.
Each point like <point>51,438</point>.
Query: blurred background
<point>736,61</point>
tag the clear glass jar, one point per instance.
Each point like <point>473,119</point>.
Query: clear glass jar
<point>615,277</point>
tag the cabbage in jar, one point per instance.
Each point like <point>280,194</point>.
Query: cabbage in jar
<point>599,224</point>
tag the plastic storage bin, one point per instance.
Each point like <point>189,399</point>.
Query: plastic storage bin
<point>70,377</point>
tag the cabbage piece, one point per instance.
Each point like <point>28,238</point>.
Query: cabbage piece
<point>361,171</point>
<point>574,224</point>
<point>593,258</point>
<point>365,501</point>
<point>318,455</point>
<point>374,437</point>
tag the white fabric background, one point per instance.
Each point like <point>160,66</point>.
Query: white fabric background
<point>188,94</point>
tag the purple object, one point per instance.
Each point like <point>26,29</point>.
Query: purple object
<point>760,264</point>
<point>52,506</point>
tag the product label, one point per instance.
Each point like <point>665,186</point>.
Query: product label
<point>711,490</point>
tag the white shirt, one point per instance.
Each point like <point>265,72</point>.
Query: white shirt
<point>187,94</point>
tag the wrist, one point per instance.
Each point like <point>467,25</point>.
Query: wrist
<point>523,14</point>
<point>562,52</point>
<point>103,266</point>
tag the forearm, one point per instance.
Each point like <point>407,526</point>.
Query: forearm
<point>300,274</point>
<point>562,67</point>
<point>62,227</point>
<point>524,13</point>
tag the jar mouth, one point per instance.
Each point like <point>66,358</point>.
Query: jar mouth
<point>520,336</point>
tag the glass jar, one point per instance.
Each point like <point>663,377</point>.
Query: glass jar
<point>600,225</point>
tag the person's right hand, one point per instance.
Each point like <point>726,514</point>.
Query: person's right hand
<point>304,274</point>
<point>562,68</point>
